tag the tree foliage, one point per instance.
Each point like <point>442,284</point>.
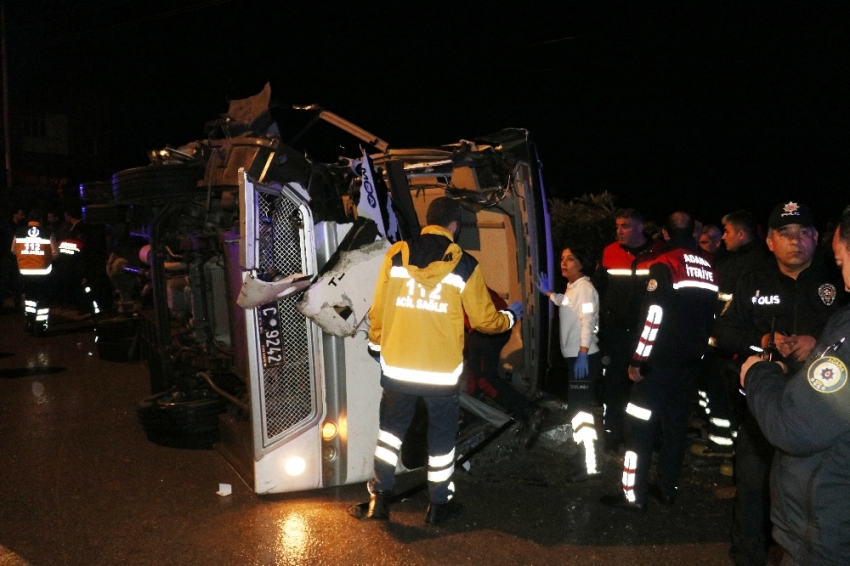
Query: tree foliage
<point>584,222</point>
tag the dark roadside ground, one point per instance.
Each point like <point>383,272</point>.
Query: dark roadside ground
<point>82,485</point>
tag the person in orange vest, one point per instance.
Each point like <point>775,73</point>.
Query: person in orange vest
<point>35,249</point>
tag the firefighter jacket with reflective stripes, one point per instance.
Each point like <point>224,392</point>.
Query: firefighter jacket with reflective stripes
<point>677,309</point>
<point>74,241</point>
<point>621,281</point>
<point>35,248</point>
<point>807,418</point>
<point>417,313</point>
<point>800,306</point>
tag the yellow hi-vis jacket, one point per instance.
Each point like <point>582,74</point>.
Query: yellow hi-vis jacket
<point>35,249</point>
<point>417,313</point>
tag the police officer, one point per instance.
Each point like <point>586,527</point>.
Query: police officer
<point>35,249</point>
<point>718,389</point>
<point>620,282</point>
<point>417,330</point>
<point>787,302</point>
<point>678,310</point>
<point>808,419</point>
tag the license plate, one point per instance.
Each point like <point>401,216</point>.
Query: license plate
<point>271,341</point>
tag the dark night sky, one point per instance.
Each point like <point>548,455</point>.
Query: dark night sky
<point>710,106</point>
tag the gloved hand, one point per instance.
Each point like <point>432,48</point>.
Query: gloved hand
<point>376,354</point>
<point>542,283</point>
<point>581,368</point>
<point>517,308</point>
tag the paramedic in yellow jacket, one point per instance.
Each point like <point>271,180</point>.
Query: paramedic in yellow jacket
<point>417,332</point>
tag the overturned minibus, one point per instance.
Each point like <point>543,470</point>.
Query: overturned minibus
<point>251,268</point>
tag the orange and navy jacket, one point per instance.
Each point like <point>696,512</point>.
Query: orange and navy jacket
<point>35,249</point>
<point>417,315</point>
<point>678,310</point>
<point>621,281</point>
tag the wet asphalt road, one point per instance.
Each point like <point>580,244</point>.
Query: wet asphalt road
<point>81,485</point>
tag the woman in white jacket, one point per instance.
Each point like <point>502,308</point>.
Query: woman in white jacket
<point>579,318</point>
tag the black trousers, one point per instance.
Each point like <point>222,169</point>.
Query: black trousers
<point>751,519</point>
<point>36,290</point>
<point>716,394</point>
<point>37,287</point>
<point>581,393</point>
<point>661,399</point>
<point>581,396</point>
<point>615,384</point>
<point>397,410</point>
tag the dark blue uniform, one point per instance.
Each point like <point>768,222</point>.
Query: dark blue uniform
<point>799,306</point>
<point>678,309</point>
<point>718,387</point>
<point>808,420</point>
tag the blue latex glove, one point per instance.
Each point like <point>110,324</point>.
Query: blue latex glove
<point>581,368</point>
<point>517,308</point>
<point>543,284</point>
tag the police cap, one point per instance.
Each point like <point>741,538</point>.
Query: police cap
<point>790,213</point>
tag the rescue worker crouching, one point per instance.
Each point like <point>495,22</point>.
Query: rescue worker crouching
<point>481,355</point>
<point>35,248</point>
<point>417,332</point>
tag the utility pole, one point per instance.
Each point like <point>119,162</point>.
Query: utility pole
<point>6,136</point>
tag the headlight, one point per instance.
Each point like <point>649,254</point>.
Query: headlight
<point>295,466</point>
<point>328,430</point>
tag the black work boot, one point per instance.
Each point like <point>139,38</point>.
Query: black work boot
<point>619,501</point>
<point>379,506</point>
<point>665,497</point>
<point>439,512</point>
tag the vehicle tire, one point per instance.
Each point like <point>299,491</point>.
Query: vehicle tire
<point>142,184</point>
<point>169,414</point>
<point>96,192</point>
<point>98,214</point>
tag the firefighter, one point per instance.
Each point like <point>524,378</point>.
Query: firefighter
<point>808,420</point>
<point>35,249</point>
<point>417,333</point>
<point>620,282</point>
<point>71,286</point>
<point>788,301</point>
<point>678,310</point>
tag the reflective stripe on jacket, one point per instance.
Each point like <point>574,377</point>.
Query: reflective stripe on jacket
<point>417,314</point>
<point>34,249</point>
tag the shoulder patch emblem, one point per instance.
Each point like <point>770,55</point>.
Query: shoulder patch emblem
<point>827,374</point>
<point>652,285</point>
<point>827,293</point>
